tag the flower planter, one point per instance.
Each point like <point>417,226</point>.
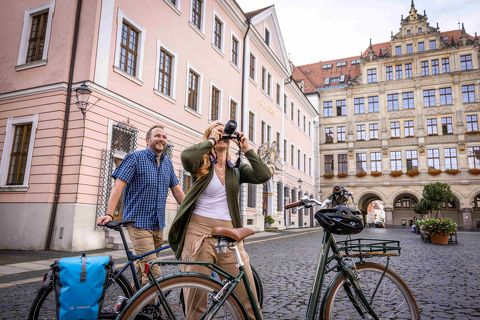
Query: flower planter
<point>342,175</point>
<point>328,175</point>
<point>434,172</point>
<point>413,172</point>
<point>376,173</point>
<point>452,171</point>
<point>475,172</point>
<point>396,173</point>
<point>439,238</point>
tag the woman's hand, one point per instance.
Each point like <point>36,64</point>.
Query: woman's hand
<point>216,134</point>
<point>243,142</point>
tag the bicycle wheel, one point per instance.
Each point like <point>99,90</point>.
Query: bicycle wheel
<point>44,305</point>
<point>389,295</point>
<point>145,304</point>
<point>258,286</point>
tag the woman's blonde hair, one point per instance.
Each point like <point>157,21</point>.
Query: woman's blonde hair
<point>206,163</point>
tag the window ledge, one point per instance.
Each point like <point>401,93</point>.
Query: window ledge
<point>174,8</point>
<point>219,51</point>
<point>17,188</point>
<point>190,110</point>
<point>164,96</point>
<point>30,65</point>
<point>194,27</point>
<point>126,75</point>
<point>252,81</point>
<point>236,67</point>
<point>267,95</point>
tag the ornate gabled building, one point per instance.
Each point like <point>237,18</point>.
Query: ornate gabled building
<point>399,116</point>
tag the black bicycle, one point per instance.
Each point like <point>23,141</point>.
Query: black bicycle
<point>118,291</point>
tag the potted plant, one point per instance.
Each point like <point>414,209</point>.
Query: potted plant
<point>342,174</point>
<point>474,171</point>
<point>452,171</point>
<point>439,229</point>
<point>269,220</point>
<point>328,175</point>
<point>396,173</point>
<point>361,173</point>
<point>433,171</point>
<point>376,173</point>
<point>412,172</point>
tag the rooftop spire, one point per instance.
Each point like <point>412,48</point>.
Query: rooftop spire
<point>412,5</point>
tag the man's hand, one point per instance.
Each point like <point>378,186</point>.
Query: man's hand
<point>103,220</point>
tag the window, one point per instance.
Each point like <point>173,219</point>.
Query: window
<point>451,158</point>
<point>395,129</point>
<point>341,64</point>
<point>251,126</point>
<point>409,48</point>
<point>233,110</point>
<point>392,101</point>
<point>359,105</point>
<point>129,49</point>
<point>421,46</point>
<point>262,132</point>
<point>472,123</point>
<point>298,159</point>
<point>373,104</point>
<point>193,90</point>
<point>340,134</point>
<point>411,159</point>
<point>407,98</point>
<point>252,66</point>
<point>165,72</point>
<point>435,67</point>
<point>371,75</point>
<point>468,93</point>
<point>277,95</point>
<point>429,98</point>
<point>285,104</point>
<point>264,74</point>
<point>466,62</point>
<point>197,13</point>
<point>36,41</point>
<point>376,161</point>
<point>329,135</point>
<point>309,166</point>
<point>473,157</point>
<point>445,65</point>
<point>280,196</point>
<point>432,127</point>
<point>304,124</point>
<point>399,72</point>
<point>341,107</point>
<point>433,44</point>
<point>291,110</point>
<point>235,50</point>
<point>342,164</point>
<point>361,162</point>
<point>361,135</point>
<point>447,126</point>
<point>408,71</point>
<point>298,118</point>
<point>373,130</point>
<point>252,196</point>
<point>327,109</point>
<point>398,50</point>
<point>433,158</point>
<point>309,129</point>
<point>267,37</point>
<point>218,34</point>
<point>17,151</point>
<point>277,141</point>
<point>445,96</point>
<point>356,61</point>
<point>327,66</point>
<point>292,154</point>
<point>269,84</point>
<point>420,30</point>
<point>389,73</point>
<point>408,128</point>
<point>215,104</point>
<point>285,144</point>
<point>395,160</point>
<point>424,66</point>
<point>329,164</point>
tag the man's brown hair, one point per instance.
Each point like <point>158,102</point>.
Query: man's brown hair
<point>149,132</point>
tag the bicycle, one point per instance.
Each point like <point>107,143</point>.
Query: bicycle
<point>359,290</point>
<point>118,289</point>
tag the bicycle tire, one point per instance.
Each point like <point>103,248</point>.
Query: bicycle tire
<point>258,286</point>
<point>145,305</point>
<point>337,305</point>
<point>44,304</point>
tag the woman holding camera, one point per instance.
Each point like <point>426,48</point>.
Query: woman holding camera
<point>212,201</point>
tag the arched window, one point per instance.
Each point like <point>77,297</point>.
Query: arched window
<point>406,202</point>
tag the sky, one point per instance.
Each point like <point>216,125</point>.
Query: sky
<point>321,30</point>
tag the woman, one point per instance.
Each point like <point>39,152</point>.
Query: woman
<point>212,201</point>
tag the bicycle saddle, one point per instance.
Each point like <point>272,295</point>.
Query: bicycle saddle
<point>233,234</point>
<point>117,224</point>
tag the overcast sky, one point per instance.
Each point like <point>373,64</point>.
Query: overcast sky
<point>315,30</point>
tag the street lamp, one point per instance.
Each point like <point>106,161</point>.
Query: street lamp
<point>300,181</point>
<point>82,94</point>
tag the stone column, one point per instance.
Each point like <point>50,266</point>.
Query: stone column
<point>388,216</point>
<point>467,219</point>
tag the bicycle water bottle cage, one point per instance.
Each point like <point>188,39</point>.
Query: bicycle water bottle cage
<point>340,220</point>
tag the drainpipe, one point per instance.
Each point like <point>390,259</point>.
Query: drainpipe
<point>53,214</point>
<point>242,103</point>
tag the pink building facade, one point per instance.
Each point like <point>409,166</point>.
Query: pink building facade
<point>179,63</point>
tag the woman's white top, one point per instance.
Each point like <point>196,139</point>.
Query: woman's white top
<point>212,202</point>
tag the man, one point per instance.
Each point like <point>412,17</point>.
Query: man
<point>146,175</point>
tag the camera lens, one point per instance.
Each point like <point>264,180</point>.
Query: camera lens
<point>230,127</point>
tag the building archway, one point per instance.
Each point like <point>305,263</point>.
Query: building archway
<point>403,209</point>
<point>370,212</point>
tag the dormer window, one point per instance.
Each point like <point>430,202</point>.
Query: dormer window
<point>433,44</point>
<point>398,50</point>
<point>357,61</point>
<point>327,66</point>
<point>420,30</point>
<point>267,37</point>
<point>341,63</point>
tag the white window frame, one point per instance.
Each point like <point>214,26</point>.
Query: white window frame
<point>173,95</point>
<point>175,7</point>
<point>7,150</point>
<point>230,99</point>
<point>141,47</point>
<point>269,36</point>
<point>27,27</point>
<point>200,31</point>
<point>200,91</point>
<point>220,102</point>
<point>220,50</point>
<point>254,126</point>
<point>234,35</point>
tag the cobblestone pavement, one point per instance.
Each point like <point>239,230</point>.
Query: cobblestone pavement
<point>444,279</point>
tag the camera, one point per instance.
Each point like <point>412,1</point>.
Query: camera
<point>229,131</point>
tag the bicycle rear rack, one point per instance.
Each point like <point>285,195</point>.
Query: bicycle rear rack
<point>366,248</point>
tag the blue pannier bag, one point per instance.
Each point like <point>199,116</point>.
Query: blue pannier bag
<point>80,284</point>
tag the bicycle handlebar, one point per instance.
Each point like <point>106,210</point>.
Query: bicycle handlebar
<point>293,204</point>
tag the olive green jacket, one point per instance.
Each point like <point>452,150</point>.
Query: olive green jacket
<point>256,173</point>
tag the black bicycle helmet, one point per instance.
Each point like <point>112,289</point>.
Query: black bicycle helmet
<point>340,220</point>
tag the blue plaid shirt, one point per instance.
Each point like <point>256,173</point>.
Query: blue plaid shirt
<point>147,188</point>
